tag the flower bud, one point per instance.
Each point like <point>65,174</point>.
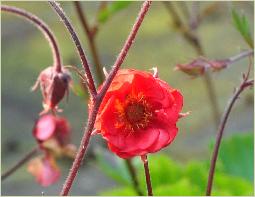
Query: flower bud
<point>54,86</point>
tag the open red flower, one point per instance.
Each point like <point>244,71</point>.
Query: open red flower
<point>138,114</point>
<point>54,86</point>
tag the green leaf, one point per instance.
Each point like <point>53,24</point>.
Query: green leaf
<point>242,25</point>
<point>116,171</point>
<point>237,156</point>
<point>231,185</point>
<point>112,9</point>
<point>123,191</point>
<point>79,91</point>
<point>197,173</point>
<point>182,187</point>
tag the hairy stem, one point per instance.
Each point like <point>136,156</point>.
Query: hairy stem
<point>91,41</point>
<point>98,100</point>
<point>41,25</point>
<point>147,174</point>
<point>133,175</point>
<point>20,163</point>
<point>189,35</point>
<point>90,81</point>
<point>245,84</point>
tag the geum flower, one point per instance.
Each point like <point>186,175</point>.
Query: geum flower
<point>54,86</point>
<point>53,136</point>
<point>138,114</point>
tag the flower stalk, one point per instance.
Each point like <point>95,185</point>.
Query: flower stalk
<point>147,174</point>
<point>246,82</point>
<point>97,97</point>
<point>20,163</point>
<point>41,25</point>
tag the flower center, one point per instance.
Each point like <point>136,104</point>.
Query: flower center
<point>134,113</point>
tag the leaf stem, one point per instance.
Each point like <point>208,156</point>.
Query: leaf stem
<point>147,174</point>
<point>240,56</point>
<point>90,81</point>
<point>41,25</point>
<point>244,84</point>
<point>91,40</point>
<point>99,97</point>
<point>20,163</point>
<point>133,175</point>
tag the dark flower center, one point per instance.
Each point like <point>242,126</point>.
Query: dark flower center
<point>135,113</point>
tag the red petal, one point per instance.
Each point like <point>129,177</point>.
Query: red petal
<point>137,141</point>
<point>45,127</point>
<point>45,170</point>
<point>164,139</point>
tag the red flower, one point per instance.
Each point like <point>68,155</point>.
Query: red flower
<point>138,114</point>
<point>44,169</point>
<point>54,86</point>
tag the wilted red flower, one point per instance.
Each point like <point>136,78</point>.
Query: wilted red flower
<point>53,134</point>
<point>138,114</point>
<point>198,66</point>
<point>45,170</point>
<point>54,86</point>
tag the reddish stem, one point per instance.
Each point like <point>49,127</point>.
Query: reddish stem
<point>41,25</point>
<point>20,163</point>
<point>90,81</point>
<point>147,174</point>
<point>245,84</point>
<point>98,100</point>
<point>91,40</point>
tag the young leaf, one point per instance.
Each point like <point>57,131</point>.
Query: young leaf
<point>242,25</point>
<point>112,9</point>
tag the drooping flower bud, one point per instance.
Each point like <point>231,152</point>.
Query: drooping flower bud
<point>195,68</point>
<point>54,86</point>
<point>200,65</point>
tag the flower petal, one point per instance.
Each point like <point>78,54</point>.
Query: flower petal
<point>44,127</point>
<point>45,170</point>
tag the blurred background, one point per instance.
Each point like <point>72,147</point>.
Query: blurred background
<point>25,52</point>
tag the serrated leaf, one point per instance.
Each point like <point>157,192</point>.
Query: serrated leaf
<point>242,25</point>
<point>112,9</point>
